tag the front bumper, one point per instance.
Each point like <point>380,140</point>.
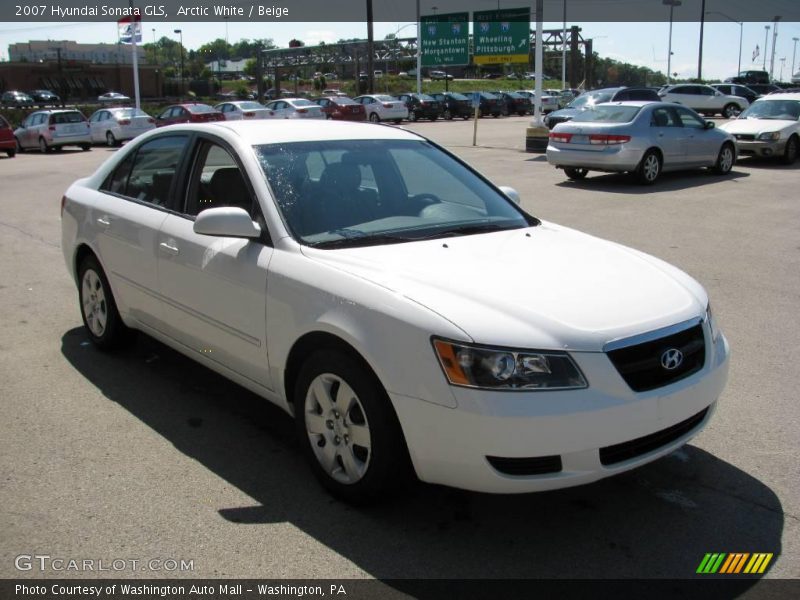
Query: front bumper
<point>761,148</point>
<point>621,157</point>
<point>451,446</point>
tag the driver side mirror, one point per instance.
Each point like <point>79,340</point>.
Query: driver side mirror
<point>710,125</point>
<point>510,193</point>
<point>226,221</point>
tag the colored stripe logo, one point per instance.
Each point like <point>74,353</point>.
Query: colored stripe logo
<point>734,563</point>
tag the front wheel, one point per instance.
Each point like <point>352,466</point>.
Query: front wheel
<point>448,115</point>
<point>790,152</point>
<point>98,308</point>
<point>86,147</point>
<point>730,111</point>
<point>575,172</point>
<point>649,168</point>
<point>725,160</point>
<point>20,149</point>
<point>11,152</point>
<point>398,121</point>
<point>412,116</point>
<point>347,427</point>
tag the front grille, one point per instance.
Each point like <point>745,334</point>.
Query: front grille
<point>628,450</point>
<point>745,136</point>
<point>536,465</point>
<point>640,365</point>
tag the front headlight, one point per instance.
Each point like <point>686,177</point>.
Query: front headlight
<point>770,136</point>
<point>712,323</point>
<point>501,369</point>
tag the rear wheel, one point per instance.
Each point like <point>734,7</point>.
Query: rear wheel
<point>730,111</point>
<point>448,115</point>
<point>43,147</point>
<point>11,152</point>
<point>412,116</point>
<point>398,121</point>
<point>86,147</point>
<point>374,118</point>
<point>98,308</point>
<point>649,168</point>
<point>111,141</point>
<point>20,149</point>
<point>790,152</point>
<point>575,172</point>
<point>725,160</point>
<point>347,427</point>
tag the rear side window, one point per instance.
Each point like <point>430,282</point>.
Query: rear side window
<point>70,117</point>
<point>147,175</point>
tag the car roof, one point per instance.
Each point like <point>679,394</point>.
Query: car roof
<point>781,96</point>
<point>302,130</point>
<point>637,103</point>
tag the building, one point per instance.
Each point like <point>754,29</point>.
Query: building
<point>227,69</point>
<point>47,50</point>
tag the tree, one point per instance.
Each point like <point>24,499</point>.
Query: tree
<point>293,43</point>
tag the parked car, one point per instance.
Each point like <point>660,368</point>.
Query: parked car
<point>492,76</point>
<point>644,139</point>
<point>704,99</point>
<point>7,142</point>
<point>514,103</point>
<point>116,125</point>
<point>421,106</point>
<point>189,112</point>
<point>334,92</point>
<point>591,98</point>
<point>748,77</point>
<point>765,88</point>
<point>242,110</point>
<point>50,130</point>
<point>489,104</point>
<point>294,108</point>
<point>735,89</point>
<point>113,97</point>
<point>385,346</point>
<point>454,105</point>
<point>45,98</point>
<point>274,93</point>
<point>331,76</point>
<point>770,127</point>
<point>16,99</point>
<point>380,107</point>
<point>549,103</point>
<point>440,76</point>
<point>342,108</point>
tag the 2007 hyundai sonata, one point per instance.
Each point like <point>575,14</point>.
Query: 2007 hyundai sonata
<point>405,310</point>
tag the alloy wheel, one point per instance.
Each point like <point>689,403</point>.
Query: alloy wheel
<point>95,308</point>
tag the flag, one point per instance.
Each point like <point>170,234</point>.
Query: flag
<point>130,30</point>
<point>755,53</point>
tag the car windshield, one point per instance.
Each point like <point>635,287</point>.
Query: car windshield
<point>608,113</point>
<point>788,110</point>
<point>514,95</point>
<point>250,105</point>
<point>456,96</point>
<point>344,193</point>
<point>302,103</point>
<point>200,108</point>
<point>69,117</point>
<point>127,113</point>
<point>423,97</point>
<point>589,99</point>
<point>344,101</point>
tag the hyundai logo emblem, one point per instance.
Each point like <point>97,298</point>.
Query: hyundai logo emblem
<point>671,359</point>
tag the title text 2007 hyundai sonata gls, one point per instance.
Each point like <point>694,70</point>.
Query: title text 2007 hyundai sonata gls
<point>405,310</point>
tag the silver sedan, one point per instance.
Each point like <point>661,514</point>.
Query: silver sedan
<point>643,138</point>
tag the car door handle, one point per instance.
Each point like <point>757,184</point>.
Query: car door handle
<point>169,248</point>
<point>103,222</point>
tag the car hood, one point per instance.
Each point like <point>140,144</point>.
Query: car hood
<point>755,126</point>
<point>540,287</point>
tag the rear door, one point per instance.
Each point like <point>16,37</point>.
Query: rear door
<point>214,288</point>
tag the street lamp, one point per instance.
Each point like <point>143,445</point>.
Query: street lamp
<point>783,62</point>
<point>180,33</point>
<point>155,50</point>
<point>741,33</point>
<point>795,40</point>
<point>672,4</point>
<point>766,43</point>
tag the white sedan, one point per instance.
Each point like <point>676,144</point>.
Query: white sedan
<point>410,324</point>
<point>113,97</point>
<point>381,107</point>
<point>769,128</point>
<point>116,125</point>
<point>243,110</point>
<point>294,108</point>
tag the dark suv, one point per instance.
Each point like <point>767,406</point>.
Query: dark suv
<point>421,106</point>
<point>454,105</point>
<point>512,102</point>
<point>593,97</point>
<point>490,104</point>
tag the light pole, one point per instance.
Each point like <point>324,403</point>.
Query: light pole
<point>741,33</point>
<point>783,62</point>
<point>795,40</point>
<point>180,33</point>
<point>774,44</point>
<point>672,4</point>
<point>155,50</point>
<point>766,43</point>
<point>563,49</point>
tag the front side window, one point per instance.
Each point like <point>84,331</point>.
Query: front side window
<point>689,118</point>
<point>362,192</point>
<point>147,174</point>
<point>216,181</point>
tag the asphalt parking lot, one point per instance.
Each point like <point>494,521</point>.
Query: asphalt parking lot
<point>146,455</point>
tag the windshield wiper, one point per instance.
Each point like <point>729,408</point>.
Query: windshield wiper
<point>353,241</point>
<point>469,229</point>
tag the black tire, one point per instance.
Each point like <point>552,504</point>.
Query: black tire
<point>11,152</point>
<point>725,159</point>
<point>521,113</point>
<point>374,118</point>
<point>86,147</point>
<point>495,115</point>
<point>371,472</point>
<point>112,333</point>
<point>790,151</point>
<point>505,112</point>
<point>649,168</point>
<point>43,147</point>
<point>20,149</point>
<point>111,141</point>
<point>730,110</point>
<point>398,121</point>
<point>412,116</point>
<point>327,118</point>
<point>448,115</point>
<point>575,173</point>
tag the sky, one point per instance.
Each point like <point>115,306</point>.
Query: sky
<point>643,44</point>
